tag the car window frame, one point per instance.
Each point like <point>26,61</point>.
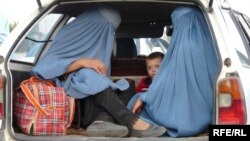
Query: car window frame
<point>233,14</point>
<point>45,41</point>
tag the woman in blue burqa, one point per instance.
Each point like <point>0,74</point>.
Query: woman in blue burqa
<point>180,96</point>
<point>79,61</point>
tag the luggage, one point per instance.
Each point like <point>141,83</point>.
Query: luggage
<point>41,108</point>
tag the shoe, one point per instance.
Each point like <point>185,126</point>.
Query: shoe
<point>106,129</point>
<point>152,131</point>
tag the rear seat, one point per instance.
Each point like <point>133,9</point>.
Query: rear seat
<point>128,67</point>
<point>134,68</point>
<point>125,63</point>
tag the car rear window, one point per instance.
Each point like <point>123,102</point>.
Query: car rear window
<point>37,37</point>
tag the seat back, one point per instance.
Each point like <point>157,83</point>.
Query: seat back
<point>125,48</point>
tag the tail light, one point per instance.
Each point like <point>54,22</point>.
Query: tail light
<point>1,100</point>
<point>232,109</point>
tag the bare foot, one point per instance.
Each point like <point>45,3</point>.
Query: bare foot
<point>141,125</point>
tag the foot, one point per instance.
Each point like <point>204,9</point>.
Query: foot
<point>106,129</point>
<point>151,131</point>
<point>141,125</point>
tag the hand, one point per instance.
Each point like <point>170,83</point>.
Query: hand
<point>94,64</point>
<point>137,106</point>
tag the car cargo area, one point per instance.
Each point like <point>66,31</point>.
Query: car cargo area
<point>141,20</point>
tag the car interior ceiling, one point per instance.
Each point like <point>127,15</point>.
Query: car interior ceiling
<point>139,19</point>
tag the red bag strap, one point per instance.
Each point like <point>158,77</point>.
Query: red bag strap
<point>34,79</point>
<point>30,96</point>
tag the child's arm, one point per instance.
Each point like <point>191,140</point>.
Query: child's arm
<point>142,86</point>
<point>139,86</point>
<point>138,106</point>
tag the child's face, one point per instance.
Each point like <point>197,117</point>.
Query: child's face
<point>152,66</point>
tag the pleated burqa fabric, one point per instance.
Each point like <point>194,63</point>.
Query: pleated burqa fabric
<point>180,97</point>
<point>90,35</point>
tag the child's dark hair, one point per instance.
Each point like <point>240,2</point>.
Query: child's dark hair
<point>154,55</point>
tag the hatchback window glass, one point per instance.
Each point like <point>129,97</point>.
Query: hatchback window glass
<point>245,24</point>
<point>37,37</point>
<point>245,28</point>
<point>145,46</point>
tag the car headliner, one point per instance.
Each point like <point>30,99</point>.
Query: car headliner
<point>139,19</point>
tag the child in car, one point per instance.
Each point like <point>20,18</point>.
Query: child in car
<point>153,62</point>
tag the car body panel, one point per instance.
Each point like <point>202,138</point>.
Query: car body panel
<point>225,33</point>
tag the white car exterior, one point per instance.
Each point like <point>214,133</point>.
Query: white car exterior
<point>233,48</point>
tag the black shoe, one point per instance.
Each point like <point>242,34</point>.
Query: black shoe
<point>152,131</point>
<point>106,129</point>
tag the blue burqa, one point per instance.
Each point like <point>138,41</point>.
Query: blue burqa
<point>180,97</point>
<point>90,35</point>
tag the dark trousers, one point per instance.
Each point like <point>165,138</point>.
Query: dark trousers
<point>108,105</point>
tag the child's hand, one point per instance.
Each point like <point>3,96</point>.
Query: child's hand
<point>144,89</point>
<point>137,106</point>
